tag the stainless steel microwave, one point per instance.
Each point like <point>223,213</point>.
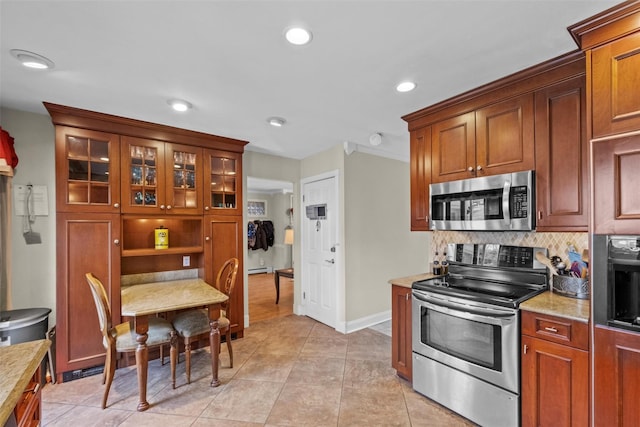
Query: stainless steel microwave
<point>492,203</point>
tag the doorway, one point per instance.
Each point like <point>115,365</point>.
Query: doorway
<point>269,201</point>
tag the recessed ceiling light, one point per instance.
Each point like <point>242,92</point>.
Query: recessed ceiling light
<point>32,60</point>
<point>180,104</point>
<point>406,87</point>
<point>298,36</point>
<point>276,121</point>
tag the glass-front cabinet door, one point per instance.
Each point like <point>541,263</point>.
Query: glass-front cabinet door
<point>223,182</point>
<point>88,170</point>
<point>184,179</point>
<point>143,172</point>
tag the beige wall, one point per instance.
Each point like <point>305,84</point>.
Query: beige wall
<point>33,267</point>
<point>378,240</point>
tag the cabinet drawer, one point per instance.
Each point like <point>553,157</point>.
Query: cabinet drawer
<point>556,329</point>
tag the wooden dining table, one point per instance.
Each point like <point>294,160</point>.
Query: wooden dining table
<point>143,300</point>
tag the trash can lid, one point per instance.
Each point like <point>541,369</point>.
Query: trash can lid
<point>14,319</point>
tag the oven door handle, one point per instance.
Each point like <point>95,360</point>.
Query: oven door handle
<point>435,303</point>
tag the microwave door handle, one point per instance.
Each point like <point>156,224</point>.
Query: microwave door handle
<point>506,214</point>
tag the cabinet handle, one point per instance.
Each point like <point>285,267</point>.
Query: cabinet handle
<point>116,242</point>
<point>206,208</point>
<point>526,347</point>
<point>470,168</point>
<point>116,205</point>
<point>407,296</point>
<point>479,168</point>
<point>550,329</point>
<point>161,206</point>
<point>168,207</point>
<point>540,215</point>
<point>207,238</point>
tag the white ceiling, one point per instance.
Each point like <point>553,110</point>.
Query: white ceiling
<point>231,61</point>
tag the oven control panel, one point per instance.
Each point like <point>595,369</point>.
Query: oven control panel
<point>495,255</point>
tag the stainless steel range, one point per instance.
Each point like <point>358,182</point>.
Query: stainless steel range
<point>466,330</point>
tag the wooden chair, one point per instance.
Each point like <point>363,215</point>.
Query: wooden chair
<point>192,324</point>
<point>122,338</point>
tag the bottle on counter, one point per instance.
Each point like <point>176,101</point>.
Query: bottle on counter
<point>444,265</point>
<point>437,269</point>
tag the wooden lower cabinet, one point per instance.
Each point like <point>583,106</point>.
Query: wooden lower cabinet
<point>616,378</point>
<point>401,331</point>
<point>223,240</point>
<point>84,244</point>
<point>555,371</point>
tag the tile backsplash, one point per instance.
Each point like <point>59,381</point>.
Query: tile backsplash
<point>556,243</point>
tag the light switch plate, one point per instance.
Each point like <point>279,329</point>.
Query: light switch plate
<point>186,261</point>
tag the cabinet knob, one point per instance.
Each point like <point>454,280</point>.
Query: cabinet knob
<point>206,208</point>
<point>116,242</point>
<point>161,206</point>
<point>470,168</point>
<point>207,238</point>
<point>116,205</point>
<point>479,168</point>
<point>168,207</point>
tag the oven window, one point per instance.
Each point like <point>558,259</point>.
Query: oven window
<point>473,341</point>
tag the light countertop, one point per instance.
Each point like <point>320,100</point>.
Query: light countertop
<point>157,297</point>
<point>408,280</point>
<point>18,362</point>
<point>546,303</point>
<point>557,305</point>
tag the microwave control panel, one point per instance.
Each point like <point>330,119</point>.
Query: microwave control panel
<point>519,201</point>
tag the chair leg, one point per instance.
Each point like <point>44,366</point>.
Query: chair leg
<point>110,370</point>
<point>187,358</point>
<point>173,357</point>
<point>227,338</point>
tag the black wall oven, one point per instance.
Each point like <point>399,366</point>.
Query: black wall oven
<point>616,281</point>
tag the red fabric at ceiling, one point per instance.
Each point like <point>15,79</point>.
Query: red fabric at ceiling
<point>7,152</point>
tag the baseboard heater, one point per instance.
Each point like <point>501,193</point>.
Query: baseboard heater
<point>259,270</point>
<point>81,373</point>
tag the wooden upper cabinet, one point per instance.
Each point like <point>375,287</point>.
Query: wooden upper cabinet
<point>222,182</point>
<point>615,78</point>
<point>492,140</point>
<point>184,179</point>
<point>88,171</point>
<point>616,180</point>
<point>453,148</point>
<point>504,137</point>
<point>420,170</point>
<point>562,150</point>
<point>161,177</point>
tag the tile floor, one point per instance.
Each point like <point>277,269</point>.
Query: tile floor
<point>290,371</point>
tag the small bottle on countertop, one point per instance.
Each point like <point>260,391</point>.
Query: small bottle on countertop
<point>444,265</point>
<point>437,270</point>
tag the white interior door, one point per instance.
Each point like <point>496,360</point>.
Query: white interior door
<point>319,238</point>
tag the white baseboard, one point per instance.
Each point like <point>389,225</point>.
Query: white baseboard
<point>259,270</point>
<point>367,321</point>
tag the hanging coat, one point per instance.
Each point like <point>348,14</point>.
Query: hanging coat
<point>261,237</point>
<point>268,229</point>
<point>251,235</point>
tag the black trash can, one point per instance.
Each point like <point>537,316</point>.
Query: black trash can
<point>24,325</point>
